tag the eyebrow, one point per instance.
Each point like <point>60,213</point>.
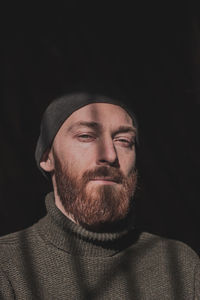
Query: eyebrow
<point>97,126</point>
<point>92,125</point>
<point>124,129</point>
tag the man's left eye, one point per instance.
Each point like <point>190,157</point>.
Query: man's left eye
<point>124,142</point>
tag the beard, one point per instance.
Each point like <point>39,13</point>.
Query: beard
<point>96,207</point>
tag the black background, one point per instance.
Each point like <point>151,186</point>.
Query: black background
<point>151,51</point>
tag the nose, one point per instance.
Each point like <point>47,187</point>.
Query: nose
<point>107,154</point>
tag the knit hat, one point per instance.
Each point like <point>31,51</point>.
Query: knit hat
<point>60,109</point>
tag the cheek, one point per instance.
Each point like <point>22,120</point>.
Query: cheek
<point>78,160</point>
<point>127,162</point>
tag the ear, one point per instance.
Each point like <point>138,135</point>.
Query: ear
<point>47,161</point>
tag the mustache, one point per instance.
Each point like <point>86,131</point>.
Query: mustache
<point>115,174</point>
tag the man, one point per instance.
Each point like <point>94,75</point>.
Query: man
<point>87,247</point>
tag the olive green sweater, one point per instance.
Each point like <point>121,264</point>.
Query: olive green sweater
<point>57,259</point>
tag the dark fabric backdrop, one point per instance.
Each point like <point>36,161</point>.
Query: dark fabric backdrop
<point>152,53</point>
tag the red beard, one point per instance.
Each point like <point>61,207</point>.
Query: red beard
<point>95,207</point>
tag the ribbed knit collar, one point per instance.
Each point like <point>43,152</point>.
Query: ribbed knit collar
<point>58,230</point>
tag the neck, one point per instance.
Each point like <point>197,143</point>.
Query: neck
<point>57,229</point>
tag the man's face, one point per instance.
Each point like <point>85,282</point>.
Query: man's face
<point>93,157</point>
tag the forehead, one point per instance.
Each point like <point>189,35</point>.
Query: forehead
<point>103,113</point>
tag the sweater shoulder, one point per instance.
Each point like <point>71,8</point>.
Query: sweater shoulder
<point>16,237</point>
<point>159,240</point>
<point>15,242</point>
<point>15,245</point>
<point>167,247</point>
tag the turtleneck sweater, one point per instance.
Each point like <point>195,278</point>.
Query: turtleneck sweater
<point>58,259</point>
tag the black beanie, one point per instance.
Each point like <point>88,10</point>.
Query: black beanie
<point>60,109</point>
